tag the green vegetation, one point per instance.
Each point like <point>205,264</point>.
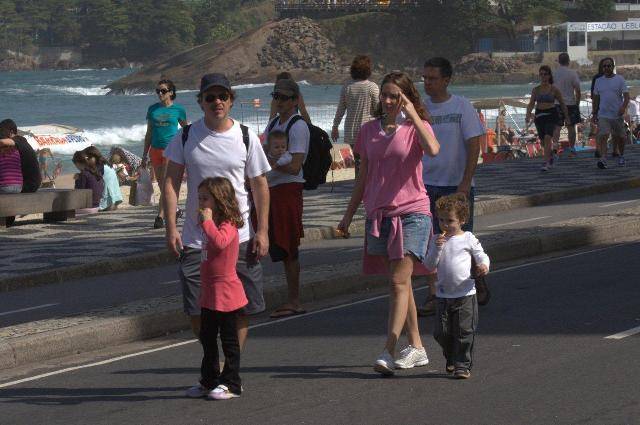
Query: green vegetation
<point>136,29</point>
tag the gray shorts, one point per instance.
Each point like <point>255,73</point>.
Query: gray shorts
<point>249,272</point>
<point>613,126</point>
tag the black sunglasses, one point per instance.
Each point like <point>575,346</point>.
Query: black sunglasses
<point>210,98</point>
<point>278,96</point>
<point>162,91</point>
<point>607,65</point>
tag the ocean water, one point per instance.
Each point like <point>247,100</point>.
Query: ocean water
<point>78,98</point>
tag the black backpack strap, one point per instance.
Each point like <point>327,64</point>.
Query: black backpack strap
<point>272,124</point>
<point>185,134</point>
<point>245,136</point>
<point>292,121</point>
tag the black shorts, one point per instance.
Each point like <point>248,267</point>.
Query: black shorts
<point>546,120</point>
<point>574,115</point>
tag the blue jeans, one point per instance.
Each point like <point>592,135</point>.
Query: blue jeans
<point>435,192</point>
<point>415,235</point>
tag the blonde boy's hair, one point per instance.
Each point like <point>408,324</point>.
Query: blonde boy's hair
<point>458,203</point>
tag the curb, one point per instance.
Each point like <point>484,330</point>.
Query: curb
<point>163,257</point>
<point>110,331</point>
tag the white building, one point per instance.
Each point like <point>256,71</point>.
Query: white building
<point>583,37</point>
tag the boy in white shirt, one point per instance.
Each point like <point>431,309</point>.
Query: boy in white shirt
<point>276,147</point>
<point>456,303</point>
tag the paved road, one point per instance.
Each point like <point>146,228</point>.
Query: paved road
<point>97,292</point>
<point>541,358</point>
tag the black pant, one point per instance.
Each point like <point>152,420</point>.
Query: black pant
<point>455,330</point>
<point>211,322</point>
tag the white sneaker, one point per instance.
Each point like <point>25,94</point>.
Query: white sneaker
<point>412,357</point>
<point>197,391</point>
<point>384,364</point>
<point>221,392</point>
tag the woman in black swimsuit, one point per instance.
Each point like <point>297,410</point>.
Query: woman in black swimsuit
<point>544,98</point>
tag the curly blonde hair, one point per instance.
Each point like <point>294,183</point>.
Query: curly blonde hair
<point>458,203</point>
<point>226,204</point>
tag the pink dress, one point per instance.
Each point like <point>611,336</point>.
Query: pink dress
<point>394,185</point>
<point>221,288</point>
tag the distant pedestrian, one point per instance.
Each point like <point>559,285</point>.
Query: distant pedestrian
<point>546,118</point>
<point>222,295</point>
<point>217,146</point>
<point>594,127</point>
<point>111,195</point>
<point>396,203</point>
<point>459,129</point>
<point>301,108</point>
<point>359,98</point>
<point>31,178</point>
<point>610,102</point>
<point>164,118</point>
<point>568,82</point>
<point>452,253</point>
<point>88,178</point>
<point>285,192</point>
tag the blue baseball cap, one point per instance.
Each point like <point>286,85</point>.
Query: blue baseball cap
<point>213,80</point>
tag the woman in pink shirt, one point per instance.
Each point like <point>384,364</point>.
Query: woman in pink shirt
<point>221,294</point>
<point>398,221</point>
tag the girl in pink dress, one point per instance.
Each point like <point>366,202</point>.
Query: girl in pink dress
<point>396,203</point>
<point>221,294</point>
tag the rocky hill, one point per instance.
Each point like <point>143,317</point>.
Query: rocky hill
<point>296,45</point>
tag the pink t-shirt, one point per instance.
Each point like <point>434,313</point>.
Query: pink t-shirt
<point>394,185</point>
<point>221,289</point>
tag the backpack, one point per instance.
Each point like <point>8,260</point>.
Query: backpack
<point>318,162</point>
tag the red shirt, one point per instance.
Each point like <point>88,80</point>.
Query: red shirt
<point>221,288</point>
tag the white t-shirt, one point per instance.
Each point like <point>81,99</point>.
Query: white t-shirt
<point>208,153</point>
<point>611,92</point>
<point>453,263</point>
<point>454,122</point>
<point>566,80</point>
<point>298,143</point>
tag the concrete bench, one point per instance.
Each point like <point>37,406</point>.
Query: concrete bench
<point>56,204</point>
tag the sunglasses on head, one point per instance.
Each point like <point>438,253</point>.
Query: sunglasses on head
<point>210,98</point>
<point>278,96</point>
<point>162,91</point>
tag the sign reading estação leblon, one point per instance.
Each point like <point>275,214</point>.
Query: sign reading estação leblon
<point>603,26</point>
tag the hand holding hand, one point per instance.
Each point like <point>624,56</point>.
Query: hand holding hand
<point>482,270</point>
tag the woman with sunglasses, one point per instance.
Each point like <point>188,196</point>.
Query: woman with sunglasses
<point>163,119</point>
<point>396,203</point>
<point>544,98</point>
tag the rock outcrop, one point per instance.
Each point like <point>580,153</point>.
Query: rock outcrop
<point>295,45</point>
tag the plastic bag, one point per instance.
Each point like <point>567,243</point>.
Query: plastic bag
<point>144,190</point>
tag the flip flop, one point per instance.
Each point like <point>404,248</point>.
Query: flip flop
<point>286,312</point>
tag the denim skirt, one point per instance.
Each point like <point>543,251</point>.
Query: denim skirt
<point>416,229</point>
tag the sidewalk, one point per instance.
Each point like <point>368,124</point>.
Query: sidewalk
<point>36,252</point>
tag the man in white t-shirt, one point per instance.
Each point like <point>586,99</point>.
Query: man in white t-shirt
<point>285,192</point>
<point>568,82</point>
<point>458,129</point>
<point>215,147</point>
<point>610,101</point>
